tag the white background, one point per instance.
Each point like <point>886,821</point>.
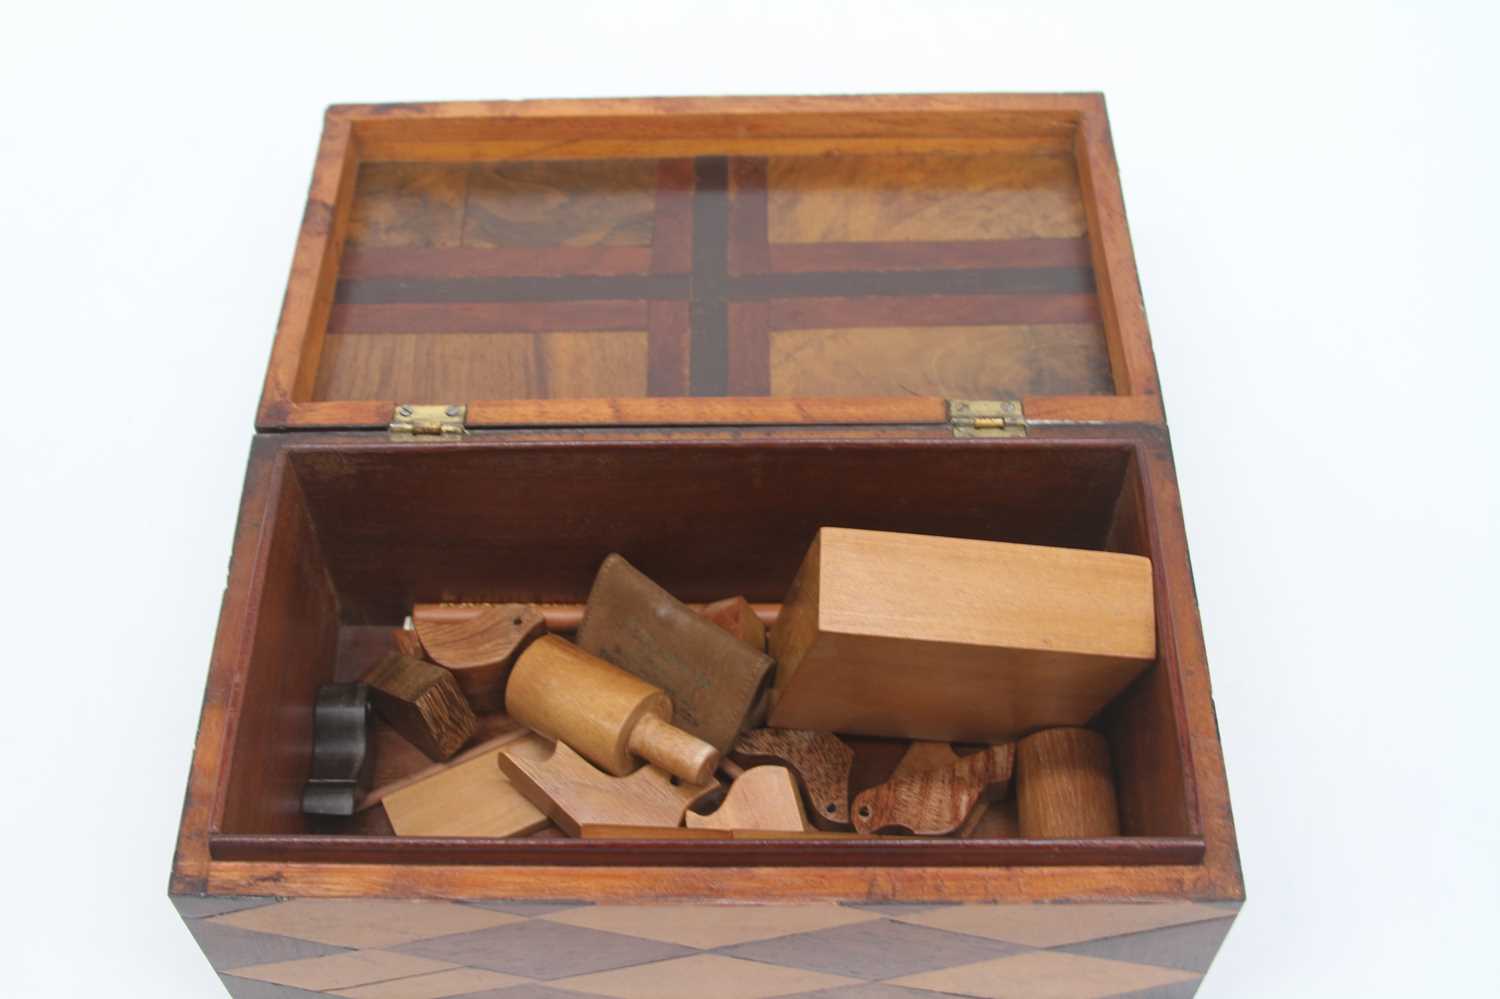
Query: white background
<point>1312,195</point>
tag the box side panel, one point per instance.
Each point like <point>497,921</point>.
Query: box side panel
<point>298,947</point>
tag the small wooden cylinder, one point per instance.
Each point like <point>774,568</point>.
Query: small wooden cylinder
<point>604,713</point>
<point>1065,786</point>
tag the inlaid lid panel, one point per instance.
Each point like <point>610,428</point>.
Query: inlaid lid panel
<point>710,277</point>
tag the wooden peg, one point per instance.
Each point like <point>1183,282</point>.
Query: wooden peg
<point>605,713</point>
<point>935,802</point>
<point>819,759</point>
<point>577,796</point>
<point>423,703</point>
<point>760,798</point>
<point>1065,786</point>
<point>479,648</point>
<point>341,749</point>
<point>469,798</point>
<point>736,616</point>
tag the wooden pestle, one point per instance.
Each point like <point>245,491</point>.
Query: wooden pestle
<point>1065,786</point>
<point>604,713</point>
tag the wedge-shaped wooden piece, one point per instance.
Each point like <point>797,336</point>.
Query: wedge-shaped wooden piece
<point>576,795</point>
<point>479,645</point>
<point>423,703</point>
<point>921,637</point>
<point>821,761</point>
<point>759,798</point>
<point>471,798</point>
<point>935,801</point>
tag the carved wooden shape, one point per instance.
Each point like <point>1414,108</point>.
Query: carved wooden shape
<point>714,681</point>
<point>479,647</point>
<point>932,801</point>
<point>469,798</point>
<point>760,798</point>
<point>341,749</point>
<point>819,759</point>
<point>576,795</point>
<point>423,703</point>
<point>1065,786</point>
<point>610,716</point>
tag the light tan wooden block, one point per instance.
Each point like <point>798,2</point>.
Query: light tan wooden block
<point>948,639</point>
<point>472,798</point>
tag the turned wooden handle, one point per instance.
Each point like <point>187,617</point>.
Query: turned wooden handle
<point>605,714</point>
<point>675,751</point>
<point>1065,787</point>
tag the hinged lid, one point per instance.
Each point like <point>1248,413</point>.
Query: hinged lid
<point>715,262</point>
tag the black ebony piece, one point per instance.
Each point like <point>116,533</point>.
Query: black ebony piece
<point>341,750</point>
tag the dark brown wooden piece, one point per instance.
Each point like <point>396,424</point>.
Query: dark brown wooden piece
<point>341,750</point>
<point>423,703</point>
<point>714,680</point>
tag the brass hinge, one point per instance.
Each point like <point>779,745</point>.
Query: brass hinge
<point>986,418</point>
<point>446,421</point>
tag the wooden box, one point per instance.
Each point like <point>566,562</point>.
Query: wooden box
<point>519,336</point>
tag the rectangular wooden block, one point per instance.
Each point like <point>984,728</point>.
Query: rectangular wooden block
<point>966,641</point>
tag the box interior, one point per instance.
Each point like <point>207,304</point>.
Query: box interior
<point>356,533</point>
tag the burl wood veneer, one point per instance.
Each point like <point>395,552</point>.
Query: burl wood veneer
<point>694,332</point>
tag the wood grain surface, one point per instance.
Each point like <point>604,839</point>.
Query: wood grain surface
<point>471,797</point>
<point>922,637</point>
<point>934,790</point>
<point>610,716</point>
<point>576,795</point>
<point>443,257</point>
<point>761,798</point>
<point>1065,787</point>
<point>478,649</point>
<point>714,681</point>
<point>422,702</point>
<point>820,760</point>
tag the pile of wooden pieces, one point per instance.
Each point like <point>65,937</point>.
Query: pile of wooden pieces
<point>909,685</point>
